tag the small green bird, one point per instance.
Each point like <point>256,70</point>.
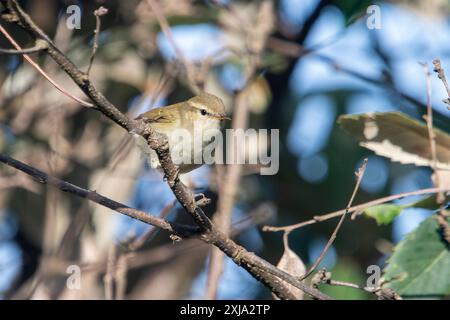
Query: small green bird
<point>184,123</point>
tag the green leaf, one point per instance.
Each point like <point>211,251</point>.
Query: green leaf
<point>420,264</point>
<point>384,213</point>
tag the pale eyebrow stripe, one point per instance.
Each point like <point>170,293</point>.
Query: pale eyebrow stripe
<point>196,105</point>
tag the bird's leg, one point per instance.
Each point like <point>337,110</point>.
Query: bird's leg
<point>203,201</point>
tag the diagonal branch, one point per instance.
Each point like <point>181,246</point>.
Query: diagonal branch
<point>43,46</point>
<point>34,49</point>
<point>259,268</point>
<point>101,11</point>
<point>441,75</point>
<point>41,177</point>
<point>190,72</point>
<point>359,175</point>
<point>355,209</point>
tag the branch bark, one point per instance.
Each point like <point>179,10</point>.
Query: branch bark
<point>262,270</point>
<point>42,177</point>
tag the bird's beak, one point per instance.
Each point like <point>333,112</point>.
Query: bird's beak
<point>222,116</point>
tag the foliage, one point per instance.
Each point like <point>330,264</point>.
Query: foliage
<point>420,264</point>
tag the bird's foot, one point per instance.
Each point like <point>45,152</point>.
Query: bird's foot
<point>201,200</point>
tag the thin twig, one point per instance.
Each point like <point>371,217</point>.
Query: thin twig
<point>226,200</point>
<point>139,242</point>
<point>44,178</point>
<point>294,50</point>
<point>355,209</point>
<point>228,192</point>
<point>121,276</point>
<point>43,44</point>
<point>431,135</point>
<point>101,11</point>
<point>162,20</point>
<point>231,177</point>
<point>36,48</point>
<point>441,75</point>
<point>160,254</point>
<point>359,175</point>
<point>440,197</point>
<point>324,276</point>
<point>109,276</point>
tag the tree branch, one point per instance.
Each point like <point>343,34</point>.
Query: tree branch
<point>259,268</point>
<point>43,178</point>
<point>43,45</point>
<point>262,270</point>
<point>359,175</point>
<point>101,11</point>
<point>355,209</point>
<point>33,49</point>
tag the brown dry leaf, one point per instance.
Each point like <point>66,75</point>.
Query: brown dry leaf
<point>258,95</point>
<point>398,137</point>
<point>291,263</point>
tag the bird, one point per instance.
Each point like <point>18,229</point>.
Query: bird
<point>190,126</point>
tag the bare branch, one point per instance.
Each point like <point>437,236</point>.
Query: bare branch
<point>359,175</point>
<point>38,47</point>
<point>324,276</point>
<point>139,242</point>
<point>101,11</point>
<point>258,267</point>
<point>441,75</point>
<point>440,197</point>
<point>355,209</point>
<point>431,135</point>
<point>43,45</point>
<point>168,33</point>
<point>108,278</point>
<point>43,178</point>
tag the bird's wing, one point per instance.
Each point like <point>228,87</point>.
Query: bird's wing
<point>158,116</point>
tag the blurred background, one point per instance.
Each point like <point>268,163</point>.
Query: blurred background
<point>301,63</point>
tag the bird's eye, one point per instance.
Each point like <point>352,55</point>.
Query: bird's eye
<point>203,112</point>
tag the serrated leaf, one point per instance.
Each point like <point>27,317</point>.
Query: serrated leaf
<point>384,213</point>
<point>398,137</point>
<point>420,264</point>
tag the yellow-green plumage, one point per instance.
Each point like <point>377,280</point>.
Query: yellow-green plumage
<point>202,112</point>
